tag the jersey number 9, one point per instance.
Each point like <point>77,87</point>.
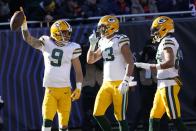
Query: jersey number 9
<point>57,56</point>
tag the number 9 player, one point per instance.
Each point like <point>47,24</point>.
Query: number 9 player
<point>59,54</point>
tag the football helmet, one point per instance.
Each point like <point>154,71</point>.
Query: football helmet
<point>161,26</point>
<point>108,25</point>
<point>61,31</point>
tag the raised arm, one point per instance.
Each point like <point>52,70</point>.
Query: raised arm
<point>92,55</point>
<point>34,42</point>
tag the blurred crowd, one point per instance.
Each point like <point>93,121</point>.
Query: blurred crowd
<point>49,10</point>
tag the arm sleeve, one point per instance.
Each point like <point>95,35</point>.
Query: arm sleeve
<point>77,52</point>
<point>123,40</point>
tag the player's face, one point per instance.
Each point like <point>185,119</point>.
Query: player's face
<point>66,35</point>
<point>155,34</point>
<point>154,31</point>
<point>102,29</point>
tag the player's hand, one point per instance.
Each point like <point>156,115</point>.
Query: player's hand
<point>76,94</point>
<point>24,25</point>
<point>93,41</point>
<point>142,65</point>
<point>123,87</point>
<point>25,20</point>
<point>126,83</point>
<point>132,82</point>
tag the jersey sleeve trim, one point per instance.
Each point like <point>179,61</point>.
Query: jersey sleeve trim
<point>76,53</point>
<point>42,40</point>
<point>168,43</point>
<point>123,43</point>
<point>123,40</point>
<point>77,50</point>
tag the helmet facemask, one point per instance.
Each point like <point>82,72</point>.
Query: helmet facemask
<point>103,30</point>
<point>155,34</point>
<point>158,33</point>
<point>66,35</point>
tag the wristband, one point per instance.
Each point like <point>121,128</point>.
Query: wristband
<point>79,85</point>
<point>158,66</point>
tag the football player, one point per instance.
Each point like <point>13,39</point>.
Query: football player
<point>59,54</point>
<point>118,67</point>
<point>166,97</point>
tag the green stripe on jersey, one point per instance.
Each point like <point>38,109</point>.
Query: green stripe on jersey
<point>77,52</point>
<point>122,39</point>
<point>78,49</point>
<point>169,43</point>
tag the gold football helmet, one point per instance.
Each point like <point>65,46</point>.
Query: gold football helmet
<point>108,25</point>
<point>161,26</point>
<point>61,31</point>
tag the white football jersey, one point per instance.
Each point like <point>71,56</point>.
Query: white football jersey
<point>57,60</point>
<point>114,63</point>
<point>170,72</point>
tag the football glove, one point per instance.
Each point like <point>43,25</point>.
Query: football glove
<point>131,82</point>
<point>93,41</point>
<point>142,65</point>
<point>76,93</point>
<point>124,86</point>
